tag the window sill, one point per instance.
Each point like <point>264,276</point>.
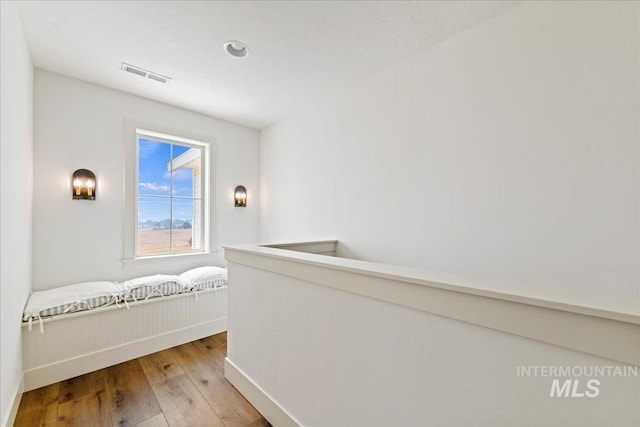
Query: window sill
<point>169,260</point>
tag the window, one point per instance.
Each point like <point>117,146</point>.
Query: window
<point>171,195</point>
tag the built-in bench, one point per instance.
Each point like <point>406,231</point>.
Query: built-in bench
<point>89,326</point>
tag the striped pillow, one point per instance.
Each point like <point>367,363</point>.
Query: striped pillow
<point>70,299</point>
<point>159,285</point>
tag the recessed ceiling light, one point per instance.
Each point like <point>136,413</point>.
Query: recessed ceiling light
<point>237,49</point>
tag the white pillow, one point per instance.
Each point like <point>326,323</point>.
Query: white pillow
<point>154,280</point>
<point>198,276</point>
<point>71,294</point>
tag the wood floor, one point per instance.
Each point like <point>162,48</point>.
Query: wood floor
<point>181,386</point>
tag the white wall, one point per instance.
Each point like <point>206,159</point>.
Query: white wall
<point>82,125</point>
<point>508,152</point>
<point>16,94</point>
<point>340,359</point>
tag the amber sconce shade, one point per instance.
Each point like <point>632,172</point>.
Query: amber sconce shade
<point>240,196</point>
<point>83,185</point>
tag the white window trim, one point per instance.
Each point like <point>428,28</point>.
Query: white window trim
<point>130,259</point>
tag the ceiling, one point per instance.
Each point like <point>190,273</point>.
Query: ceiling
<point>298,50</point>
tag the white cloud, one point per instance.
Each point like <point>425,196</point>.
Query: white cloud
<point>152,186</point>
<point>182,175</point>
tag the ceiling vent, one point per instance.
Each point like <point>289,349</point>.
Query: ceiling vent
<point>144,73</point>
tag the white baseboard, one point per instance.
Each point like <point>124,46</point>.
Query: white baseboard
<point>261,400</point>
<point>17,397</point>
<point>82,364</point>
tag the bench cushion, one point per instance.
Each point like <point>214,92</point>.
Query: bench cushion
<point>70,299</point>
<point>201,278</point>
<point>151,286</point>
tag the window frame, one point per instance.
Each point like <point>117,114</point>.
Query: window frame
<point>205,199</point>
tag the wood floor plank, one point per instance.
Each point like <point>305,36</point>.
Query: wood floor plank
<point>131,398</point>
<point>183,405</point>
<point>157,421</point>
<point>214,352</point>
<point>47,416</point>
<point>40,396</point>
<point>160,366</point>
<point>232,408</point>
<point>39,407</point>
<point>184,385</point>
<point>218,339</point>
<point>83,385</point>
<point>88,410</point>
<point>260,423</point>
<point>189,358</point>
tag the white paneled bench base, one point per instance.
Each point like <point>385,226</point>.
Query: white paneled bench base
<point>78,343</point>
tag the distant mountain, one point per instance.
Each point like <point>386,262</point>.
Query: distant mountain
<point>166,224</point>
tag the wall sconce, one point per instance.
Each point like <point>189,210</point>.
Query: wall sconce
<point>83,185</point>
<point>240,194</point>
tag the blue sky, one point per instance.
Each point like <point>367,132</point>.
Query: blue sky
<point>154,179</point>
